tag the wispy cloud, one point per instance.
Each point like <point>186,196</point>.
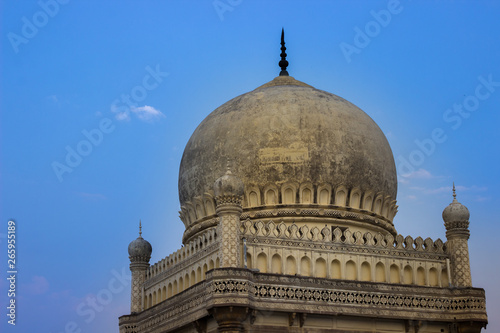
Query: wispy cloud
<point>53,98</point>
<point>38,285</point>
<point>449,189</point>
<point>419,174</point>
<point>92,196</point>
<point>403,180</point>
<point>121,116</point>
<point>56,101</point>
<point>480,198</point>
<point>145,113</point>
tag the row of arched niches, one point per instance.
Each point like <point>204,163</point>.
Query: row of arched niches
<point>362,205</point>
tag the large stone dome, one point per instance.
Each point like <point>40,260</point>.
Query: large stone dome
<point>286,135</point>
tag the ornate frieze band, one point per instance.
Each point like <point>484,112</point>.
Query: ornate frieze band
<point>299,294</point>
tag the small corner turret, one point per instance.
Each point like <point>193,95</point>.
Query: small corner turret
<point>139,252</point>
<point>456,220</point>
<point>228,191</point>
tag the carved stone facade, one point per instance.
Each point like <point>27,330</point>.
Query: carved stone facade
<point>459,256</point>
<point>230,248</point>
<point>138,277</point>
<point>301,237</point>
<point>313,303</point>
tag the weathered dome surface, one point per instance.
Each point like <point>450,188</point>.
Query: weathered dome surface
<point>455,212</point>
<point>140,249</point>
<point>288,132</point>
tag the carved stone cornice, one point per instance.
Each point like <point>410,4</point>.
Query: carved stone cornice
<point>245,288</point>
<point>139,266</point>
<point>345,248</point>
<point>457,229</point>
<point>230,200</point>
<point>354,216</point>
<point>341,213</point>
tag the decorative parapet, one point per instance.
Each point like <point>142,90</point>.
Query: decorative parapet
<point>298,211</point>
<point>293,232</point>
<point>183,255</point>
<point>281,293</point>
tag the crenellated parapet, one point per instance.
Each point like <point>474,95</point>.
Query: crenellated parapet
<point>181,269</point>
<point>336,235</point>
<point>185,254</point>
<point>335,253</point>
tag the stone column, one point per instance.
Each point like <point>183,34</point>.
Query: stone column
<point>228,196</point>
<point>138,270</point>
<point>229,318</point>
<point>458,235</point>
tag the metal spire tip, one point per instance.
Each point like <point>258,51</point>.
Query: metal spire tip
<point>283,62</point>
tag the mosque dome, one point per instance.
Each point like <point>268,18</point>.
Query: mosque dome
<point>286,131</point>
<point>287,134</point>
<point>300,153</point>
<point>140,249</point>
<point>455,211</point>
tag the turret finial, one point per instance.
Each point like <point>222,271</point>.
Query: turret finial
<point>454,192</point>
<point>228,167</point>
<point>140,228</point>
<point>283,62</point>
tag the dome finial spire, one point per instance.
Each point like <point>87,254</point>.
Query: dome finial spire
<point>454,193</point>
<point>228,167</point>
<point>140,228</point>
<point>283,62</point>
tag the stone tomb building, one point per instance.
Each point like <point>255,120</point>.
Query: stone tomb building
<point>298,235</point>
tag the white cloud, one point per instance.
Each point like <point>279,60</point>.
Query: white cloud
<point>449,189</point>
<point>419,174</point>
<point>122,116</point>
<point>146,113</point>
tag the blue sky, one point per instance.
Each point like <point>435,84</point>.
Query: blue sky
<point>428,75</point>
